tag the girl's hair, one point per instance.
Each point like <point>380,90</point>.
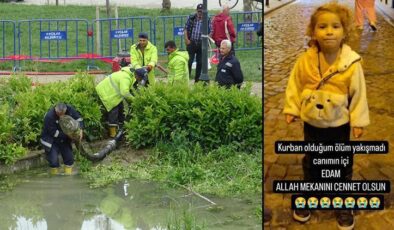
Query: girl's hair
<point>344,14</point>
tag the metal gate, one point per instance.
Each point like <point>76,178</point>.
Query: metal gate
<point>7,41</point>
<point>53,38</point>
<point>247,23</point>
<point>113,35</point>
<point>169,28</point>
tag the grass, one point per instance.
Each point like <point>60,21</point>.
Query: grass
<point>250,60</point>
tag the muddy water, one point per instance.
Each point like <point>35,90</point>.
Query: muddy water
<point>65,202</point>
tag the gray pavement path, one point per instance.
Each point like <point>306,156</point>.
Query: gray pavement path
<point>284,41</point>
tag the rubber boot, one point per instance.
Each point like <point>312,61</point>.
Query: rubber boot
<point>112,131</point>
<point>68,170</point>
<point>53,171</point>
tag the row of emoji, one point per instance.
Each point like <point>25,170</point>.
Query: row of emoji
<point>302,202</point>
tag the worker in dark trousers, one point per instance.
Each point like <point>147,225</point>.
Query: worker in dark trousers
<point>55,141</point>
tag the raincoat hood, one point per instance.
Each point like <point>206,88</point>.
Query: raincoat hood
<point>177,52</point>
<point>127,70</point>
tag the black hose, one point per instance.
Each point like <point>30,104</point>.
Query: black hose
<point>101,154</point>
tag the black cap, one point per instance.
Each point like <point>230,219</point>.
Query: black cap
<point>143,35</point>
<point>199,7</point>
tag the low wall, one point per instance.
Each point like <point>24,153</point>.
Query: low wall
<point>34,159</point>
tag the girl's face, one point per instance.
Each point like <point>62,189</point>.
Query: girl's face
<point>328,31</point>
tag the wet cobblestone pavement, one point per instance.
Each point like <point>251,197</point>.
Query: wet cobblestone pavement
<point>284,42</point>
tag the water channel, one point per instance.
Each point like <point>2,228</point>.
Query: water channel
<point>41,202</point>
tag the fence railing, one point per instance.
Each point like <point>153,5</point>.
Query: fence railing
<point>53,38</point>
<point>49,39</point>
<point>7,40</point>
<point>118,34</point>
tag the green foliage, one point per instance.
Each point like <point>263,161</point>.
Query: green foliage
<point>208,115</point>
<point>259,212</point>
<point>78,91</point>
<point>9,151</point>
<point>11,86</point>
<point>185,221</point>
<point>22,110</point>
<point>102,175</point>
<point>74,66</point>
<point>224,171</point>
<point>6,124</point>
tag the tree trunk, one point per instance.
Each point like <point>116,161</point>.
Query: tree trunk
<point>107,7</point>
<point>248,18</point>
<point>247,5</point>
<point>166,5</point>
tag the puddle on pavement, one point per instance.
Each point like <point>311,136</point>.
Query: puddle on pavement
<point>66,202</point>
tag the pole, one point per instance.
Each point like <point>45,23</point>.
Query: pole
<point>117,27</point>
<point>204,35</point>
<point>98,41</point>
<point>107,7</point>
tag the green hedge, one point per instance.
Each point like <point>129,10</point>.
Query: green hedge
<point>210,115</point>
<point>22,110</point>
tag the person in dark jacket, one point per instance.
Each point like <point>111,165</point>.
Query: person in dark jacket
<point>229,71</point>
<point>193,40</point>
<point>55,141</point>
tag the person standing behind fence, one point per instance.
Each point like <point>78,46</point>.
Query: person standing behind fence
<point>229,71</point>
<point>177,64</point>
<point>193,29</point>
<point>144,54</point>
<point>369,7</point>
<point>223,28</point>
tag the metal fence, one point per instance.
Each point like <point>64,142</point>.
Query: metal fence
<point>169,28</point>
<point>247,23</point>
<point>113,35</point>
<point>49,39</point>
<point>7,40</point>
<point>53,38</point>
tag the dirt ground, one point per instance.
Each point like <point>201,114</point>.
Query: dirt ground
<point>122,153</point>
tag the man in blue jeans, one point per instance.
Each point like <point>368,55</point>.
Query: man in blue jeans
<point>55,141</point>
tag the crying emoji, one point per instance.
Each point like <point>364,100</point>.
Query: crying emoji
<point>300,202</point>
<point>325,202</point>
<point>362,202</point>
<point>374,202</point>
<point>313,202</point>
<point>337,202</point>
<point>350,202</point>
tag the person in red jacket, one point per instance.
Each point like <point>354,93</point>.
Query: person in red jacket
<point>223,28</point>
